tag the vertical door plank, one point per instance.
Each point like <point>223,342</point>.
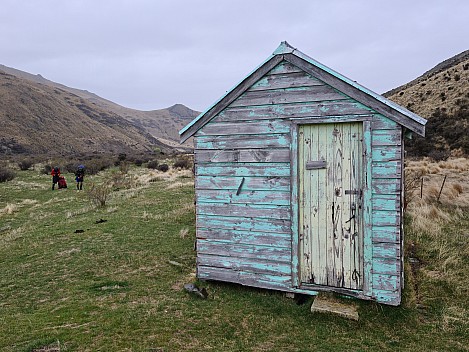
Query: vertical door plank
<point>329,185</point>
<point>322,205</point>
<point>314,196</point>
<point>346,231</point>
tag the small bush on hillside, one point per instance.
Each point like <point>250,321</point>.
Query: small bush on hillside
<point>47,169</point>
<point>124,167</point>
<point>25,164</point>
<point>6,174</point>
<point>163,167</point>
<point>182,164</point>
<point>152,164</point>
<point>138,162</point>
<point>70,167</point>
<point>96,165</point>
<point>98,194</point>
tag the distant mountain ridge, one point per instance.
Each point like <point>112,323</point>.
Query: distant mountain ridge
<point>34,110</point>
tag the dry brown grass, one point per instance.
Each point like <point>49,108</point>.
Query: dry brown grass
<point>429,209</point>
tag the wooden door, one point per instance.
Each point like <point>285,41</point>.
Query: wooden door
<point>330,204</point>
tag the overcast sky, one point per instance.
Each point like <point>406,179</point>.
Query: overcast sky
<point>150,54</point>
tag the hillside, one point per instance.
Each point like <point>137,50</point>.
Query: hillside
<point>36,118</point>
<point>440,95</point>
<point>34,110</point>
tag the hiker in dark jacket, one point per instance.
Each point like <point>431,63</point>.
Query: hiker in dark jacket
<point>79,175</point>
<point>55,176</point>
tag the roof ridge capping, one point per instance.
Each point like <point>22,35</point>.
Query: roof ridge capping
<point>284,48</point>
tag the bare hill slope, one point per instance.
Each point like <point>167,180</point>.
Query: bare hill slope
<point>34,110</point>
<point>37,118</point>
<point>441,95</point>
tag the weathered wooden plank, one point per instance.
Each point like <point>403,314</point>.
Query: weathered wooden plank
<point>245,236</point>
<point>243,155</point>
<point>243,223</point>
<point>284,67</point>
<point>241,251</point>
<point>321,149</point>
<point>386,202</point>
<point>386,266</point>
<point>388,169</point>
<point>355,93</point>
<point>294,205</point>
<point>386,137</point>
<point>380,122</point>
<point>386,186</point>
<point>215,128</point>
<point>388,297</point>
<point>244,197</point>
<point>386,153</point>
<point>226,100</point>
<point>367,211</point>
<point>386,234</point>
<point>272,282</point>
<point>252,265</point>
<point>243,169</point>
<point>386,218</point>
<point>288,80</point>
<point>244,210</point>
<point>243,142</point>
<point>386,250</point>
<point>275,183</point>
<point>316,109</point>
<point>386,282</point>
<point>287,96</point>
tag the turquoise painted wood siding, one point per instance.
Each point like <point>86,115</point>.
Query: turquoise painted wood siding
<point>246,164</point>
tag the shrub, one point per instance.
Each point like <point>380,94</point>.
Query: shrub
<point>96,165</point>
<point>70,167</point>
<point>163,167</point>
<point>47,169</point>
<point>25,164</point>
<point>439,155</point>
<point>98,194</point>
<point>182,164</point>
<point>6,174</point>
<point>124,167</point>
<point>152,164</point>
<point>138,162</point>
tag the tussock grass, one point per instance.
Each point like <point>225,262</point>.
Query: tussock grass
<point>437,233</point>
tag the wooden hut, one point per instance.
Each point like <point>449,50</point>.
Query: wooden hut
<point>299,174</point>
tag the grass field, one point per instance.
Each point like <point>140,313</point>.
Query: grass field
<point>76,277</point>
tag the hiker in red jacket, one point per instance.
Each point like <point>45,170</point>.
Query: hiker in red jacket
<point>55,176</point>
